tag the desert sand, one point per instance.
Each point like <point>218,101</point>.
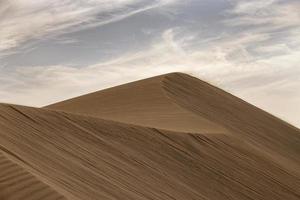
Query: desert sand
<point>167,137</point>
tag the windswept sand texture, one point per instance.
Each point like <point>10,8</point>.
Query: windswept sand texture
<point>17,183</point>
<point>235,151</point>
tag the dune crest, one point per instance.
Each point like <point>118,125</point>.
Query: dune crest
<point>142,103</point>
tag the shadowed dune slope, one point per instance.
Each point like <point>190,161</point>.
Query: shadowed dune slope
<point>264,131</point>
<point>83,157</point>
<point>180,102</point>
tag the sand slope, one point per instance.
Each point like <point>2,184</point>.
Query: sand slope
<point>89,158</point>
<point>179,102</point>
<point>168,137</point>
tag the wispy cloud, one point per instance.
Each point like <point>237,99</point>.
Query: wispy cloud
<point>214,63</point>
<point>22,20</point>
<point>270,13</point>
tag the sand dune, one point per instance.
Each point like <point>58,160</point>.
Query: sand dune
<point>234,150</point>
<point>142,103</point>
<point>179,102</point>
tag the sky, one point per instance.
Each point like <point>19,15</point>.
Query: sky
<point>52,50</point>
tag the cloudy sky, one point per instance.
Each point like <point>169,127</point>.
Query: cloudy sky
<point>51,50</point>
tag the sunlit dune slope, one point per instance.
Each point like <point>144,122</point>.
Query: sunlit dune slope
<point>82,157</point>
<point>142,103</point>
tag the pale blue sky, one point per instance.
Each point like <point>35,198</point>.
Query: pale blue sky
<point>54,50</point>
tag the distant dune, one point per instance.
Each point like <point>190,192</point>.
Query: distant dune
<point>167,137</point>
